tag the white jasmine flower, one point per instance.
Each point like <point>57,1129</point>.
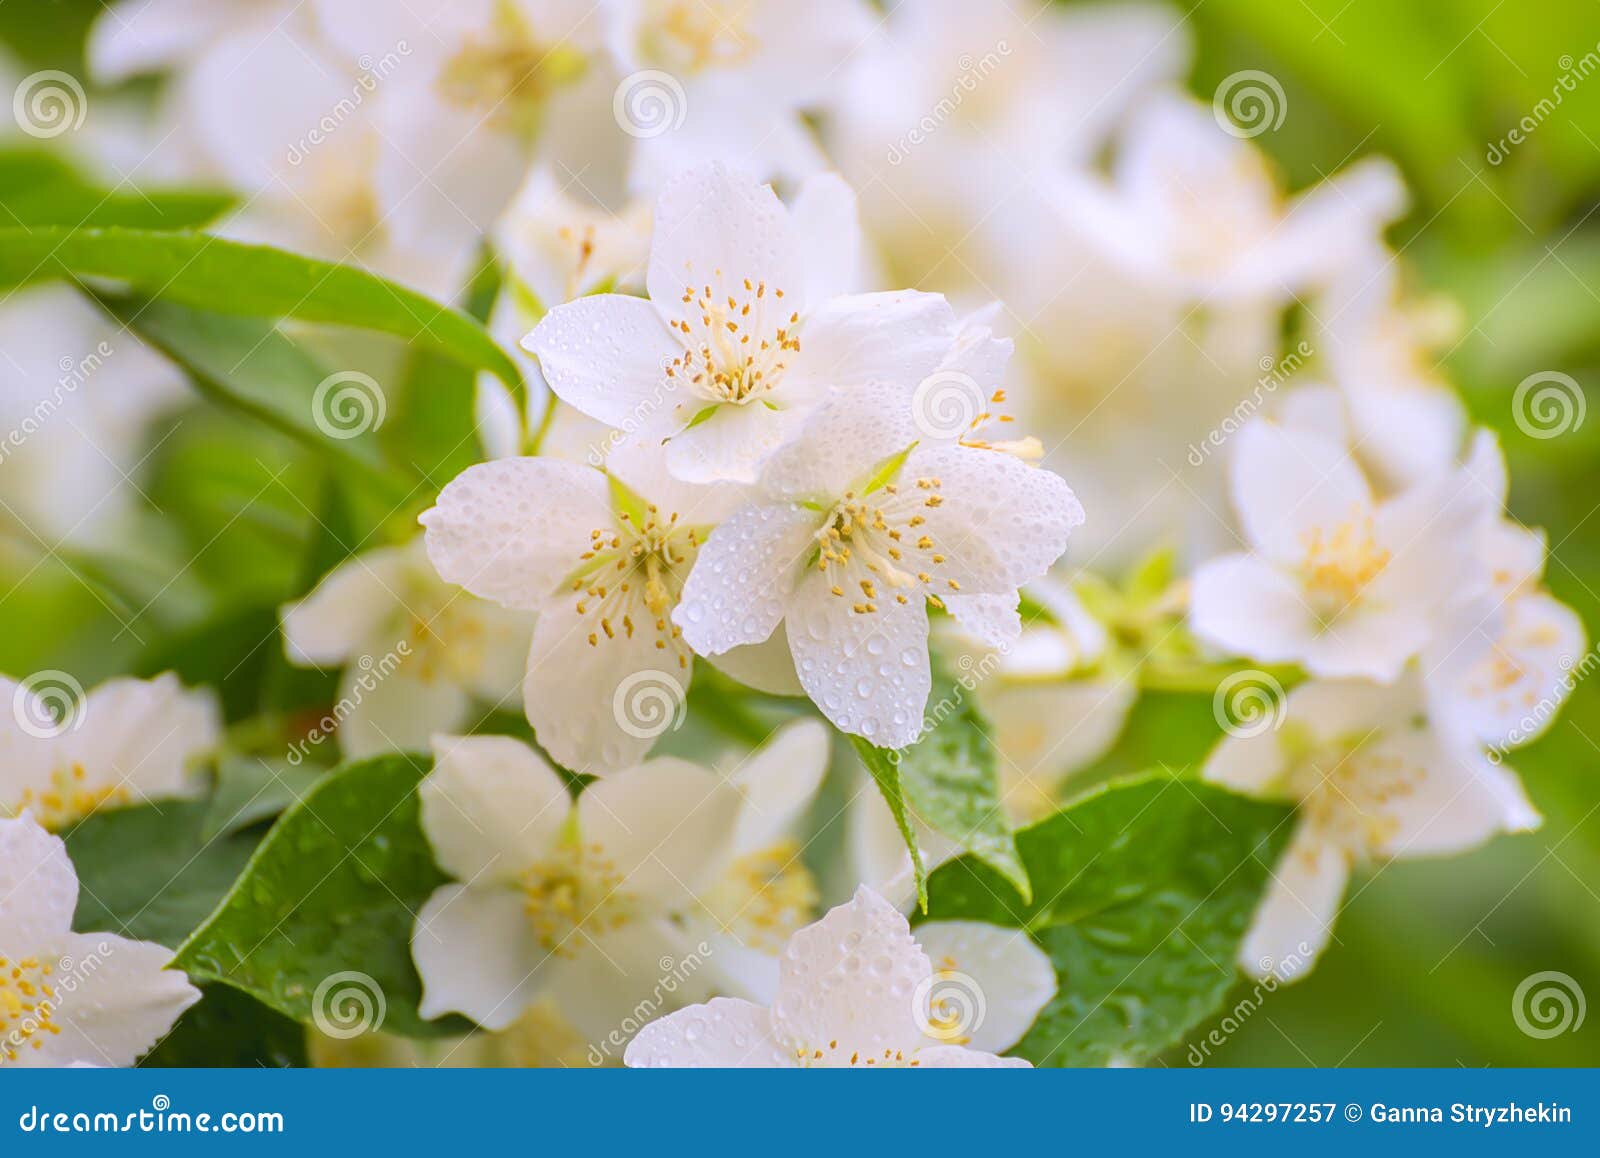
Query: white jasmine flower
<point>602,559</point>
<point>990,983</point>
<point>712,79</point>
<point>133,37</point>
<point>745,331</point>
<point>72,999</point>
<point>855,530</point>
<point>128,742</point>
<point>1503,668</point>
<point>1335,580</point>
<point>558,247</point>
<point>77,398</point>
<point>570,900</point>
<point>416,651</point>
<point>853,991</point>
<point>1195,212</point>
<point>1374,780</point>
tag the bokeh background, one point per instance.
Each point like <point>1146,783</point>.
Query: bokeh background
<point>1428,954</point>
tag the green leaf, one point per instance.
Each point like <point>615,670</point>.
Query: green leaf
<point>334,888</point>
<point>949,781</point>
<point>258,281</point>
<point>252,788</point>
<point>151,872</point>
<point>1143,891</point>
<point>230,1029</point>
<point>39,188</point>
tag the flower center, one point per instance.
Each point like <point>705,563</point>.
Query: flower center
<point>1339,564</point>
<point>509,75</point>
<point>446,636</point>
<point>871,546</point>
<point>633,576</point>
<point>68,799</point>
<point>766,897</point>
<point>689,36</point>
<point>27,1006</point>
<point>736,353</point>
<point>576,889</point>
<point>1349,790</point>
<point>833,1057</point>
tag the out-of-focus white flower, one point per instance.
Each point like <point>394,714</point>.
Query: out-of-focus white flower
<point>1508,660</point>
<point>1196,213</point>
<point>853,990</point>
<point>955,108</point>
<point>415,650</point>
<point>77,397</point>
<point>709,80</point>
<point>127,742</point>
<point>994,981</point>
<point>746,329</point>
<point>558,246</point>
<point>72,999</point>
<point>1335,580</point>
<point>856,529</point>
<point>570,900</point>
<point>1406,420</point>
<point>1374,779</point>
<point>133,37</point>
<point>602,557</point>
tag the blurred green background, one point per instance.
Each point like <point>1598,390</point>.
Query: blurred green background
<point>1428,954</point>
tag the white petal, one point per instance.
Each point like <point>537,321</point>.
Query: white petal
<point>1295,918</point>
<point>956,1057</point>
<point>869,673</point>
<point>477,955</point>
<point>607,355</point>
<point>400,712</point>
<point>666,825</point>
<point>985,969</point>
<point>491,807</point>
<point>1246,606</point>
<point>38,885</point>
<point>724,1032</point>
<point>1451,800</point>
<point>1286,484</point>
<point>600,706</point>
<point>731,445</point>
<point>720,229</point>
<point>767,666</point>
<point>512,530</point>
<point>144,737</point>
<point>828,228</point>
<point>1047,731</point>
<point>611,980</point>
<point>346,609</point>
<point>992,619</point>
<point>115,1001</point>
<point>852,978</point>
<point>843,441</point>
<point>874,341</point>
<point>743,577</point>
<point>779,781</point>
<point>150,35</point>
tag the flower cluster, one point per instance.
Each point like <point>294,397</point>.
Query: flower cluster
<point>817,312</point>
